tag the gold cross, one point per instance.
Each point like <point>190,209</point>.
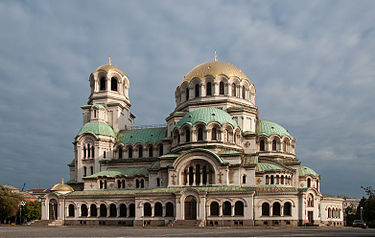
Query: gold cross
<point>109,60</point>
<point>215,55</point>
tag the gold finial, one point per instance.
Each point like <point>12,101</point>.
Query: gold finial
<point>62,180</point>
<point>215,55</point>
<point>109,60</point>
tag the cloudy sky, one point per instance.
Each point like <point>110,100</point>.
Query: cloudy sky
<point>312,63</point>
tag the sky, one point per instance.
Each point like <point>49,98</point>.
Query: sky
<point>312,63</point>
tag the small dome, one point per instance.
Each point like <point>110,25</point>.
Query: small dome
<point>207,115</point>
<point>97,128</point>
<point>109,67</point>
<point>269,128</point>
<point>215,68</point>
<point>61,187</point>
<point>98,106</point>
<point>304,171</point>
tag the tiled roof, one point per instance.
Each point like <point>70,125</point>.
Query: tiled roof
<point>262,167</point>
<point>144,136</point>
<point>275,189</point>
<point>207,115</point>
<point>97,128</point>
<point>269,128</point>
<point>304,170</point>
<point>127,172</point>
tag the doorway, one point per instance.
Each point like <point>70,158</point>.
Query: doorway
<point>52,210</point>
<point>190,208</point>
<point>310,217</point>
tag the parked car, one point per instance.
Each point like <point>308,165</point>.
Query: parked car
<point>359,223</point>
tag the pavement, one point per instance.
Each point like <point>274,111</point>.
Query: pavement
<point>116,231</point>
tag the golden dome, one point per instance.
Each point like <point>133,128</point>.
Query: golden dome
<point>215,68</point>
<point>109,67</point>
<point>62,187</point>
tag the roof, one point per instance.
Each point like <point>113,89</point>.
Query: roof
<point>109,67</point>
<point>276,189</point>
<point>62,187</point>
<point>263,167</point>
<point>97,128</point>
<point>207,115</point>
<point>269,128</point>
<point>127,172</point>
<point>98,106</point>
<point>144,136</point>
<point>215,68</point>
<point>304,171</point>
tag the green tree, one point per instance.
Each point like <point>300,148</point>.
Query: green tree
<point>368,205</point>
<point>31,211</point>
<point>8,203</point>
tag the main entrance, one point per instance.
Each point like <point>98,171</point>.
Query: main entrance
<point>52,209</point>
<point>190,208</point>
<point>310,217</point>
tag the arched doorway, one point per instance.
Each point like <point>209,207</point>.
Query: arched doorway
<point>190,208</point>
<point>52,209</point>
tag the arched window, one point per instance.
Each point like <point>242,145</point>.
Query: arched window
<point>147,209</point>
<point>282,179</point>
<point>214,209</point>
<point>226,134</point>
<point>161,150</point>
<point>234,89</point>
<point>93,211</point>
<point>150,151</point>
<point>84,152</point>
<point>71,210</point>
<point>214,134</point>
<point>91,170</point>
<point>208,89</point>
<point>310,200</point>
<point>84,171</point>
<point>88,150</point>
<point>132,210</point>
<point>287,209</point>
<point>158,182</point>
<point>103,210</point>
<point>105,184</point>
<point>274,145</point>
<point>200,133</point>
<point>123,183</point>
<point>169,210</point>
<point>130,152</point>
<point>113,84</point>
<point>112,210</point>
<point>137,183</point>
<point>308,182</point>
<point>243,92</point>
<point>158,209</point>
<point>265,209</point>
<point>142,183</point>
<point>262,146</point>
<point>221,88</point>
<point>120,153</point>
<point>123,210</point>
<point>102,84</point>
<point>187,93</point>
<point>238,208</point>
<point>84,211</point>
<point>140,151</point>
<point>227,209</point>
<point>244,179</point>
<point>187,134</point>
<point>267,179</point>
<point>272,179</point>
<point>329,213</point>
<point>197,90</point>
<point>93,152</point>
<point>118,183</point>
<point>276,209</point>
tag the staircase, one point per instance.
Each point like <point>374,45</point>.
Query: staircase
<point>38,223</point>
<point>187,223</point>
<point>56,223</point>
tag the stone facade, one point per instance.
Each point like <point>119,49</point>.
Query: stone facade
<point>213,164</point>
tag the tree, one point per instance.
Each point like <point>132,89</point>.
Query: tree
<point>368,205</point>
<point>8,203</point>
<point>31,211</point>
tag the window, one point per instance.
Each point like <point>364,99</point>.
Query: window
<point>276,209</point>
<point>287,209</point>
<point>243,179</point>
<point>187,94</point>
<point>169,210</point>
<point>308,182</point>
<point>197,90</point>
<point>329,213</point>
<point>147,209</point>
<point>120,153</point>
<point>310,200</point>
<point>93,211</point>
<point>94,113</point>
<point>112,210</point>
<point>84,211</point>
<point>140,151</point>
<point>101,184</point>
<point>267,179</point>
<point>274,145</point>
<point>208,89</point>
<point>187,134</point>
<point>137,183</point>
<point>142,183</point>
<point>150,151</point>
<point>130,152</point>
<point>88,150</point>
<point>227,209</point>
<point>104,154</point>
<point>238,208</point>
<point>243,92</point>
<point>91,170</point>
<point>214,209</point>
<point>161,150</point>
<point>200,133</point>
<point>158,210</point>
<point>234,89</point>
<point>93,152</point>
<point>102,84</point>
<point>132,210</point>
<point>123,183</point>
<point>282,179</point>
<point>123,210</point>
<point>214,134</point>
<point>158,182</point>
<point>71,210</point>
<point>118,183</point>
<point>84,152</point>
<point>265,209</point>
<point>84,171</point>
<point>103,210</point>
<point>261,145</point>
<point>105,184</point>
<point>113,84</point>
<point>221,88</point>
<point>272,179</point>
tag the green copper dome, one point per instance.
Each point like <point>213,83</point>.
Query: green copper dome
<point>269,128</point>
<point>98,106</point>
<point>144,136</point>
<point>263,167</point>
<point>97,128</point>
<point>304,171</point>
<point>207,115</point>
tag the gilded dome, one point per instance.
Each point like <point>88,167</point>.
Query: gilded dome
<point>109,67</point>
<point>61,187</point>
<point>215,68</point>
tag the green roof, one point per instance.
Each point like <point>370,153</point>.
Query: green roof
<point>269,128</point>
<point>97,106</point>
<point>304,171</point>
<point>249,160</point>
<point>207,115</point>
<point>275,189</point>
<point>144,136</point>
<point>97,128</point>
<point>263,167</point>
<point>127,172</point>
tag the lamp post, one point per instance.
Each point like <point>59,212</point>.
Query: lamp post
<point>361,212</point>
<point>21,204</point>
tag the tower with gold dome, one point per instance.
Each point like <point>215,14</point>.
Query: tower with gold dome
<point>215,163</point>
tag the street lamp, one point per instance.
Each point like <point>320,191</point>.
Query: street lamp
<point>21,204</point>
<point>361,212</point>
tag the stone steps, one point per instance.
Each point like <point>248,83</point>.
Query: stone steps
<point>187,223</point>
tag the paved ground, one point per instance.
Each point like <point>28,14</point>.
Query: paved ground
<point>114,231</point>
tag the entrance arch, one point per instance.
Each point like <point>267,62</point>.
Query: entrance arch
<point>190,208</point>
<point>52,209</point>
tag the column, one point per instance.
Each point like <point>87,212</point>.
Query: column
<point>152,210</point>
<point>220,210</point>
<point>188,177</point>
<point>164,211</point>
<point>201,177</point>
<point>108,211</point>
<point>215,89</point>
<point>203,91</point>
<point>232,211</point>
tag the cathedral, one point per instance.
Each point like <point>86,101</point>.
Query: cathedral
<point>213,163</point>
